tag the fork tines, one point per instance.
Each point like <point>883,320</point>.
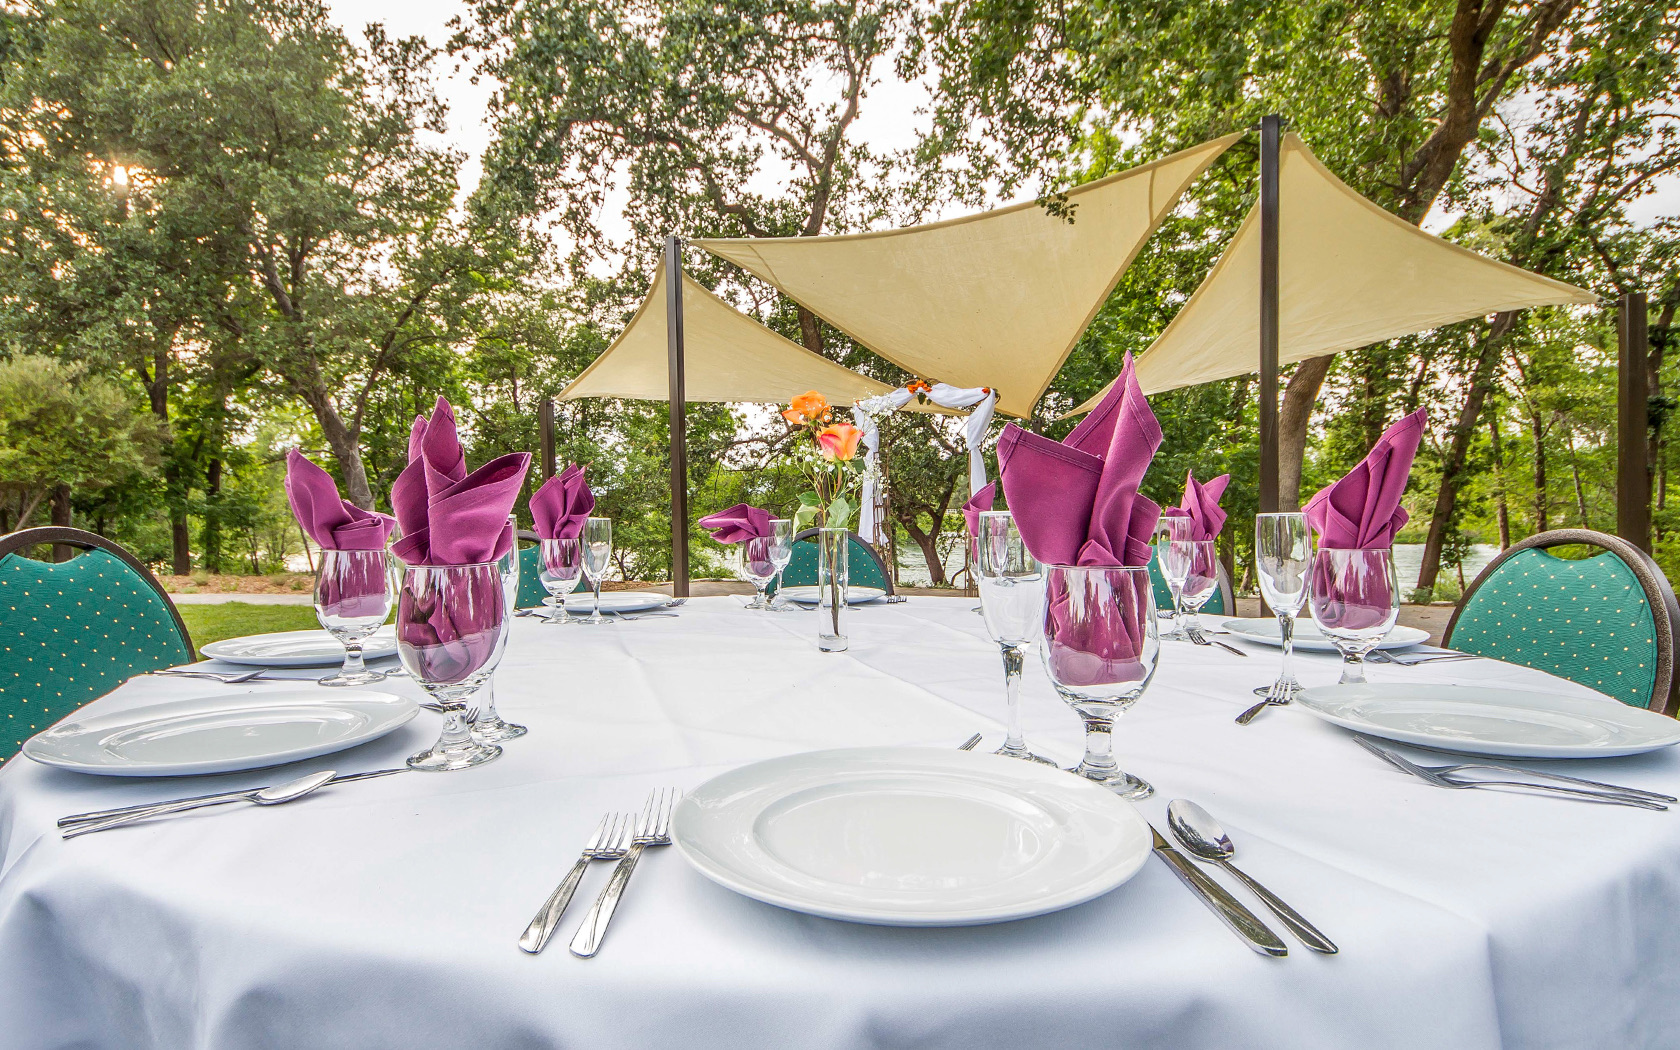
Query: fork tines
<point>655,825</point>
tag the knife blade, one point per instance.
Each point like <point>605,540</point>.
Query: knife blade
<point>207,800</point>
<point>1243,923</point>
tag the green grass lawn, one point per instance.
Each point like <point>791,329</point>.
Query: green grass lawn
<point>210,623</point>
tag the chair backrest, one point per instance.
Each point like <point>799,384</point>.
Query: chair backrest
<point>1220,603</point>
<point>863,564</point>
<point>73,631</point>
<point>531,590</point>
<point>1607,621</point>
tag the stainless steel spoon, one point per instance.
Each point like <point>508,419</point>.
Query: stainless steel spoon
<point>1196,829</point>
<point>268,796</point>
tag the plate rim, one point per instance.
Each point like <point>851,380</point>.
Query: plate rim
<point>800,587</point>
<point>1312,704</point>
<point>379,652</point>
<point>404,711</point>
<point>1320,644</point>
<point>1113,877</point>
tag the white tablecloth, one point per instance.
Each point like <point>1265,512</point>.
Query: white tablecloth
<point>385,913</point>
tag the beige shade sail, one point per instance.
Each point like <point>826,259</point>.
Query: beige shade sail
<point>1349,274</point>
<point>996,299</point>
<point>727,356</point>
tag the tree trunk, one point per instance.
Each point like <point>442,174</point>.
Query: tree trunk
<point>345,442</point>
<point>1455,467</point>
<point>1299,397</point>
<point>61,518</point>
<point>929,543</point>
<point>1540,496</point>
<point>1575,469</point>
<point>810,332</point>
<point>1501,510</point>
<point>212,525</point>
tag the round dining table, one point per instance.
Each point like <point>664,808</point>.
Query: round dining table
<point>386,912</point>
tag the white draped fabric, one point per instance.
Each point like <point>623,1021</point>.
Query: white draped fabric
<point>385,913</point>
<point>866,413</point>
<point>982,403</point>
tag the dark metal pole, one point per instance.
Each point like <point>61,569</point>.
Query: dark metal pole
<point>1633,474</point>
<point>679,417</point>
<point>545,420</point>
<point>1270,130</point>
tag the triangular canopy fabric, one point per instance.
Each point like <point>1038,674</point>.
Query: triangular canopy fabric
<point>727,356</point>
<point>1349,274</point>
<point>996,299</point>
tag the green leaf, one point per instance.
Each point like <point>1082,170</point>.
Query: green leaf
<point>839,513</point>
<point>803,517</point>
<point>808,499</point>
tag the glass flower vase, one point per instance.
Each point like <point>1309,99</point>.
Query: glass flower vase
<point>833,547</point>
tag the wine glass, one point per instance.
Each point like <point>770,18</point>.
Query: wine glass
<point>1282,556</point>
<point>1101,644</point>
<point>450,624</point>
<point>1355,599</point>
<point>1012,601</point>
<point>559,566</point>
<point>757,566</point>
<point>352,600</point>
<point>781,554</point>
<point>1201,578</point>
<point>597,555</point>
<point>490,727</point>
<point>1175,563</point>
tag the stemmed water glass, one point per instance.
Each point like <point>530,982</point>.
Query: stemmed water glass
<point>597,556</point>
<point>1355,599</point>
<point>758,567</point>
<point>559,566</point>
<point>781,554</point>
<point>1101,644</point>
<point>1201,577</point>
<point>490,727</point>
<point>1012,600</point>
<point>1173,533</point>
<point>451,620</point>
<point>1282,557</point>
<point>352,600</point>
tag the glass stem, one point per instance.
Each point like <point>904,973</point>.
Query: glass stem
<point>597,615</point>
<point>1286,633</point>
<point>1099,745</point>
<point>1012,740</point>
<point>1178,609</point>
<point>353,659</point>
<point>1353,668</point>
<point>456,729</point>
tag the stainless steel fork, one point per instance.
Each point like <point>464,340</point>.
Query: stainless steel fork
<point>653,830</point>
<point>610,842</point>
<point>1443,780</point>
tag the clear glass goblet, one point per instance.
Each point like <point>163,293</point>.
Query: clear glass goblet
<point>757,567</point>
<point>352,601</point>
<point>1355,599</point>
<point>450,623</point>
<point>781,554</point>
<point>1171,530</point>
<point>1282,558</point>
<point>1201,579</point>
<point>490,727</point>
<point>560,567</point>
<point>597,557</point>
<point>1101,644</point>
<point>1012,601</point>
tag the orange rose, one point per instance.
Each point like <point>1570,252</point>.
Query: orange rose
<point>807,408</point>
<point>839,442</point>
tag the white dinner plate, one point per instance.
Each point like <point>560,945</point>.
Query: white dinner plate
<point>910,836</point>
<point>1308,638</point>
<point>297,648</point>
<point>581,601</point>
<point>807,594</point>
<point>220,734</point>
<point>1486,720</point>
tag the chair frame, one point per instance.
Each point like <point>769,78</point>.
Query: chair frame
<point>880,563</point>
<point>23,539</point>
<point>1659,595</point>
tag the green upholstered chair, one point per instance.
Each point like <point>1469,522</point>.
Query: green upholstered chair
<point>863,564</point>
<point>1607,621</point>
<point>531,590</point>
<point>1220,603</point>
<point>73,631</point>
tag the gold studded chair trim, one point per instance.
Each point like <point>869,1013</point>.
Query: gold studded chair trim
<point>1614,626</point>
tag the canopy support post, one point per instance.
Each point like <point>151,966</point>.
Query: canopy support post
<point>679,416</point>
<point>1633,474</point>
<point>545,423</point>
<point>1270,131</point>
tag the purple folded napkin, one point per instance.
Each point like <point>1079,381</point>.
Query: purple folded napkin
<point>1201,505</point>
<point>738,524</point>
<point>334,523</point>
<point>448,516</point>
<point>1362,511</point>
<point>560,508</point>
<point>984,499</point>
<point>1076,502</point>
<point>1101,644</point>
<point>449,628</point>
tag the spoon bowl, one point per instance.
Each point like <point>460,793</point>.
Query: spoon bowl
<point>271,796</point>
<point>268,796</point>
